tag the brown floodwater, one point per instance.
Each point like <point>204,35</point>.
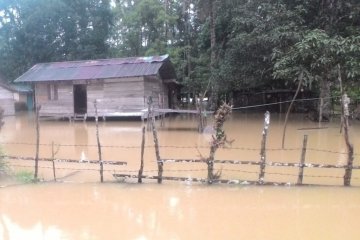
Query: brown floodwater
<point>79,207</point>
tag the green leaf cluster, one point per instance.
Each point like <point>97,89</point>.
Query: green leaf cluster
<point>33,31</point>
<point>259,45</point>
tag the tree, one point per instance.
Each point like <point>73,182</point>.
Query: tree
<point>52,30</point>
<point>317,56</point>
<point>144,27</point>
<point>330,38</point>
<point>248,33</point>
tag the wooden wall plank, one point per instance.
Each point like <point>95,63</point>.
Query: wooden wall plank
<point>7,101</point>
<point>113,95</point>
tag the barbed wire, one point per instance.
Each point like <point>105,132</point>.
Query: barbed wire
<point>72,145</point>
<point>178,147</point>
<point>287,174</point>
<point>182,170</point>
<point>63,160</point>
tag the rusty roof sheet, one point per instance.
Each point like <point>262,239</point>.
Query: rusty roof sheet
<point>97,69</point>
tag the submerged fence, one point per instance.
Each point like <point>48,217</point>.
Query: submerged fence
<point>121,173</point>
<point>119,168</point>
<point>213,173</point>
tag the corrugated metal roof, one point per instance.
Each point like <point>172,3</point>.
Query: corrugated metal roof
<point>22,88</point>
<point>97,69</point>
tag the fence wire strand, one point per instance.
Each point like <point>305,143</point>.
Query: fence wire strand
<point>181,171</point>
<point>281,102</point>
<point>181,147</point>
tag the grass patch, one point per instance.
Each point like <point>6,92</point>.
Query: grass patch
<point>24,176</point>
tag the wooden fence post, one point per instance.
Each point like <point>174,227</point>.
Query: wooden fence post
<point>53,154</point>
<point>341,93</point>
<point>345,116</point>
<point>201,115</point>
<point>37,142</point>
<point>160,163</point>
<point>302,161</point>
<point>98,142</point>
<point>263,148</point>
<point>142,156</point>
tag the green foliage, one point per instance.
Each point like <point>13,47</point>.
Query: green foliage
<point>143,27</point>
<point>34,31</point>
<point>24,176</point>
<point>262,44</point>
<point>250,32</point>
<point>318,55</point>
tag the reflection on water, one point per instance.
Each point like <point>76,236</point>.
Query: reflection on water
<point>175,210</point>
<point>11,230</point>
<point>81,141</point>
<point>109,211</point>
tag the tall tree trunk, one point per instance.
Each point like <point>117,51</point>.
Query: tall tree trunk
<point>166,7</point>
<point>186,12</point>
<point>214,85</point>
<point>212,33</point>
<point>325,101</point>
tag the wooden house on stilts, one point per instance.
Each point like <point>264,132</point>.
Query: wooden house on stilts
<point>120,86</point>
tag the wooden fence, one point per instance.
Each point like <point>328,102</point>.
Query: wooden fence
<point>263,163</point>
<point>218,141</point>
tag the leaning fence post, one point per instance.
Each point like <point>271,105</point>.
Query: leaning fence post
<point>302,161</point>
<point>345,117</point>
<point>201,117</point>
<point>263,148</point>
<point>160,163</point>
<point>98,142</point>
<point>37,142</point>
<point>53,154</point>
<point>142,156</point>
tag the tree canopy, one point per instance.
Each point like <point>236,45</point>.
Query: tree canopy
<point>216,46</point>
<point>33,31</point>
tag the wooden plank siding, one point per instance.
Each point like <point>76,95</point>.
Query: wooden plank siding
<point>114,96</point>
<point>154,87</point>
<point>7,102</point>
<point>95,91</point>
<point>63,106</point>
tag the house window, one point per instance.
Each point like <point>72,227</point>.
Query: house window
<point>52,92</point>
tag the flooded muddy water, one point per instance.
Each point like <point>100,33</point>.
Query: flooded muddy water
<point>82,208</point>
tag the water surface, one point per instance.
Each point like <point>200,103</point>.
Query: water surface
<point>83,208</point>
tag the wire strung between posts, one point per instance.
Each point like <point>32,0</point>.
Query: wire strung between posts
<point>62,168</point>
<point>70,145</point>
<point>188,170</point>
<point>286,174</point>
<point>182,147</point>
<point>59,160</point>
<point>276,103</point>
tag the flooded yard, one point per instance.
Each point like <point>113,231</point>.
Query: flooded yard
<point>82,208</point>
